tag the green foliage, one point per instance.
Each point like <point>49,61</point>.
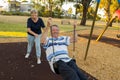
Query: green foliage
<point>46,14</point>
<point>6,13</point>
<point>36,5</point>
<point>109,11</point>
<point>90,14</point>
<point>41,11</point>
<point>57,12</point>
<point>15,13</point>
<point>110,6</point>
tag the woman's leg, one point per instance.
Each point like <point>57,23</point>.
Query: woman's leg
<point>38,49</point>
<point>30,45</point>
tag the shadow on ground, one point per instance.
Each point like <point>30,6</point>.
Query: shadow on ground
<point>13,65</point>
<point>104,39</point>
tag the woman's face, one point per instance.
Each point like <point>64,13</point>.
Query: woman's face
<point>34,16</point>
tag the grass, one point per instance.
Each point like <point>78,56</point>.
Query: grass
<point>12,27</point>
<point>18,24</point>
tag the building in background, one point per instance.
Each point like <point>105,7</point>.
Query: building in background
<point>25,6</point>
<point>15,5</point>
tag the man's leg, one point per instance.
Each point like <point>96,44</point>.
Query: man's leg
<point>30,45</point>
<point>73,65</point>
<point>66,72</point>
<point>38,49</point>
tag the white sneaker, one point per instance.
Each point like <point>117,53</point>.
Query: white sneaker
<point>27,55</point>
<point>38,61</point>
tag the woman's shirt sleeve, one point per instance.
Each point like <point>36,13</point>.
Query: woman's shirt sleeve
<point>28,23</point>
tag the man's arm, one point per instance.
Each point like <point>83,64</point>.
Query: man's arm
<point>73,39</point>
<point>45,32</point>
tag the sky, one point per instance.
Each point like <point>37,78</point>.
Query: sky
<point>1,2</point>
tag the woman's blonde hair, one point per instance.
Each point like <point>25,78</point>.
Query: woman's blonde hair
<point>34,11</point>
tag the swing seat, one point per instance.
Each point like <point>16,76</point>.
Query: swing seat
<point>118,35</point>
<point>55,66</point>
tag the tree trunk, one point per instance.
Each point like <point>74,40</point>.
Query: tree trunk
<point>85,4</point>
<point>50,9</point>
<point>108,13</point>
<point>83,20</point>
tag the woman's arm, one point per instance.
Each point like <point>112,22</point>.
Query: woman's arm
<point>31,32</point>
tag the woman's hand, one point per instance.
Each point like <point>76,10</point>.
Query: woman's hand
<point>36,35</point>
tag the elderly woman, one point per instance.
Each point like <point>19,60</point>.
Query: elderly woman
<point>34,25</point>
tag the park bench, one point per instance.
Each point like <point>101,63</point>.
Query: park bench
<point>65,22</point>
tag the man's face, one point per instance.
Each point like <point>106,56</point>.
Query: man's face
<point>55,31</point>
<point>34,16</point>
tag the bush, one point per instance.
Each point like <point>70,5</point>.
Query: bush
<point>15,13</point>
<point>6,13</point>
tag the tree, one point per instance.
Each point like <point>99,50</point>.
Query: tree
<point>110,6</point>
<point>54,4</point>
<point>86,4</point>
<point>36,4</point>
<point>78,8</point>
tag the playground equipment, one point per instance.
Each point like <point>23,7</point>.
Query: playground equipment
<point>91,32</point>
<point>74,34</point>
<point>115,15</point>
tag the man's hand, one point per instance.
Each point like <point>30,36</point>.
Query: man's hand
<point>49,22</point>
<point>45,33</point>
<point>75,24</point>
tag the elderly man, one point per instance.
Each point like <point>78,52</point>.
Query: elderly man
<point>57,55</point>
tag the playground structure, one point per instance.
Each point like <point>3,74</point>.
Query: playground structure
<point>116,14</point>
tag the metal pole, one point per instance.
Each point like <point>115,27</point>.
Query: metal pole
<point>74,32</point>
<point>98,1</point>
<point>104,30</point>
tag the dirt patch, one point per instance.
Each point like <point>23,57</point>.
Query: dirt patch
<point>111,41</point>
<point>16,67</point>
<point>102,61</point>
